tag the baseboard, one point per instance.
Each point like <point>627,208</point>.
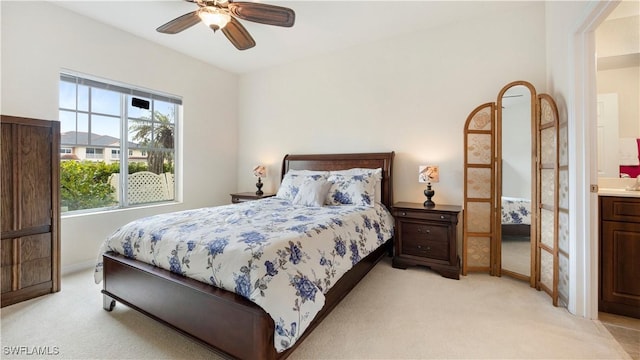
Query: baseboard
<point>77,267</point>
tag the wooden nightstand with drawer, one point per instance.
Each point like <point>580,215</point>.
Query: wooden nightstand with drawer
<point>248,196</point>
<point>428,237</point>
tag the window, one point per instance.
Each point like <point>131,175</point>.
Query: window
<point>125,144</point>
<point>94,153</point>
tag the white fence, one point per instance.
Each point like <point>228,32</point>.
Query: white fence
<point>146,187</point>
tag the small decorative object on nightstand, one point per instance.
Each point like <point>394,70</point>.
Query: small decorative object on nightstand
<point>427,236</point>
<point>428,174</point>
<point>248,196</point>
<point>260,172</point>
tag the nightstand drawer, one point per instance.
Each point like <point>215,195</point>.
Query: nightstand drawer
<point>437,250</point>
<point>421,231</point>
<point>409,214</point>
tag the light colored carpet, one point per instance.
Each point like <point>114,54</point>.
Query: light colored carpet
<point>391,314</point>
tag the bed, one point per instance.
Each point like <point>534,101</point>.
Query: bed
<point>516,216</point>
<point>227,322</point>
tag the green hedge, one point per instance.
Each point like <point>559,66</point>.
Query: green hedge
<point>85,184</point>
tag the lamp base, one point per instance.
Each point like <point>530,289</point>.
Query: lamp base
<point>259,186</point>
<point>428,192</point>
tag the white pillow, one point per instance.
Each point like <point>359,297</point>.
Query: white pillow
<point>291,183</point>
<point>357,190</point>
<point>312,193</point>
<point>377,174</point>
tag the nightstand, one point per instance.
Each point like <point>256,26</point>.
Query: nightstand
<point>248,196</point>
<point>427,237</point>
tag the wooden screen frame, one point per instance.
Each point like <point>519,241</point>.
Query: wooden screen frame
<point>494,267</point>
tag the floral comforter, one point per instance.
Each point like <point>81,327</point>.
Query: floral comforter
<point>516,211</point>
<point>282,257</point>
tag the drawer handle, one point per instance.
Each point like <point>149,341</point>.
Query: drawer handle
<point>426,231</point>
<point>403,213</point>
<point>441,216</point>
<point>427,248</point>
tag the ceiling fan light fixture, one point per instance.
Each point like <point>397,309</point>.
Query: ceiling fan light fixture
<point>214,17</point>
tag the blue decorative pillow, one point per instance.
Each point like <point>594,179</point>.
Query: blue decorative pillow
<point>292,181</point>
<point>376,173</point>
<point>357,190</point>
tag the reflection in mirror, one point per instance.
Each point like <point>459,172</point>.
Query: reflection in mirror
<point>516,181</point>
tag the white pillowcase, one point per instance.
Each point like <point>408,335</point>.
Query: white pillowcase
<point>292,181</point>
<point>312,192</point>
<point>357,190</point>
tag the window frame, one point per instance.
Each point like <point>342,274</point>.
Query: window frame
<point>127,93</point>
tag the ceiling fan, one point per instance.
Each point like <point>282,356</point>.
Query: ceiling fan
<point>222,14</point>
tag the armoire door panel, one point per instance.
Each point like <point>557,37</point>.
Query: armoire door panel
<point>6,264</point>
<point>7,179</point>
<point>34,272</point>
<point>35,247</point>
<point>35,180</point>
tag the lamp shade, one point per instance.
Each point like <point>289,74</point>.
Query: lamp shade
<point>428,174</point>
<point>260,171</point>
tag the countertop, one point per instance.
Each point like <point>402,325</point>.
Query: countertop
<point>617,192</point>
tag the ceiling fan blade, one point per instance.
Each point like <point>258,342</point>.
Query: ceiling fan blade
<point>180,23</point>
<point>263,13</point>
<point>238,35</point>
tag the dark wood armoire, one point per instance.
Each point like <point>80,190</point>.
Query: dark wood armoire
<point>30,212</point>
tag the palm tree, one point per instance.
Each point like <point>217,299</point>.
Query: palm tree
<point>155,136</point>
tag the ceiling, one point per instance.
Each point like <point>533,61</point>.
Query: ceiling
<point>321,26</point>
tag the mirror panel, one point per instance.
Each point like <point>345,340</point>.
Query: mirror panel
<point>516,109</point>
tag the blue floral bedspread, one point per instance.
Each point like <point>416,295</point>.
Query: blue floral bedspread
<point>282,257</point>
<point>516,210</point>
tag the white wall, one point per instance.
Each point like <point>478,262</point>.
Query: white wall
<point>39,39</point>
<point>410,94</point>
<point>571,81</point>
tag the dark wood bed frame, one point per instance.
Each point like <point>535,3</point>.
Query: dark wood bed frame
<point>232,325</point>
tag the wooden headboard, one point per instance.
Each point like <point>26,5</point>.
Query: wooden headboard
<point>330,162</point>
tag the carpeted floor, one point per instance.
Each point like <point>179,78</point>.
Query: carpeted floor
<point>391,314</point>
